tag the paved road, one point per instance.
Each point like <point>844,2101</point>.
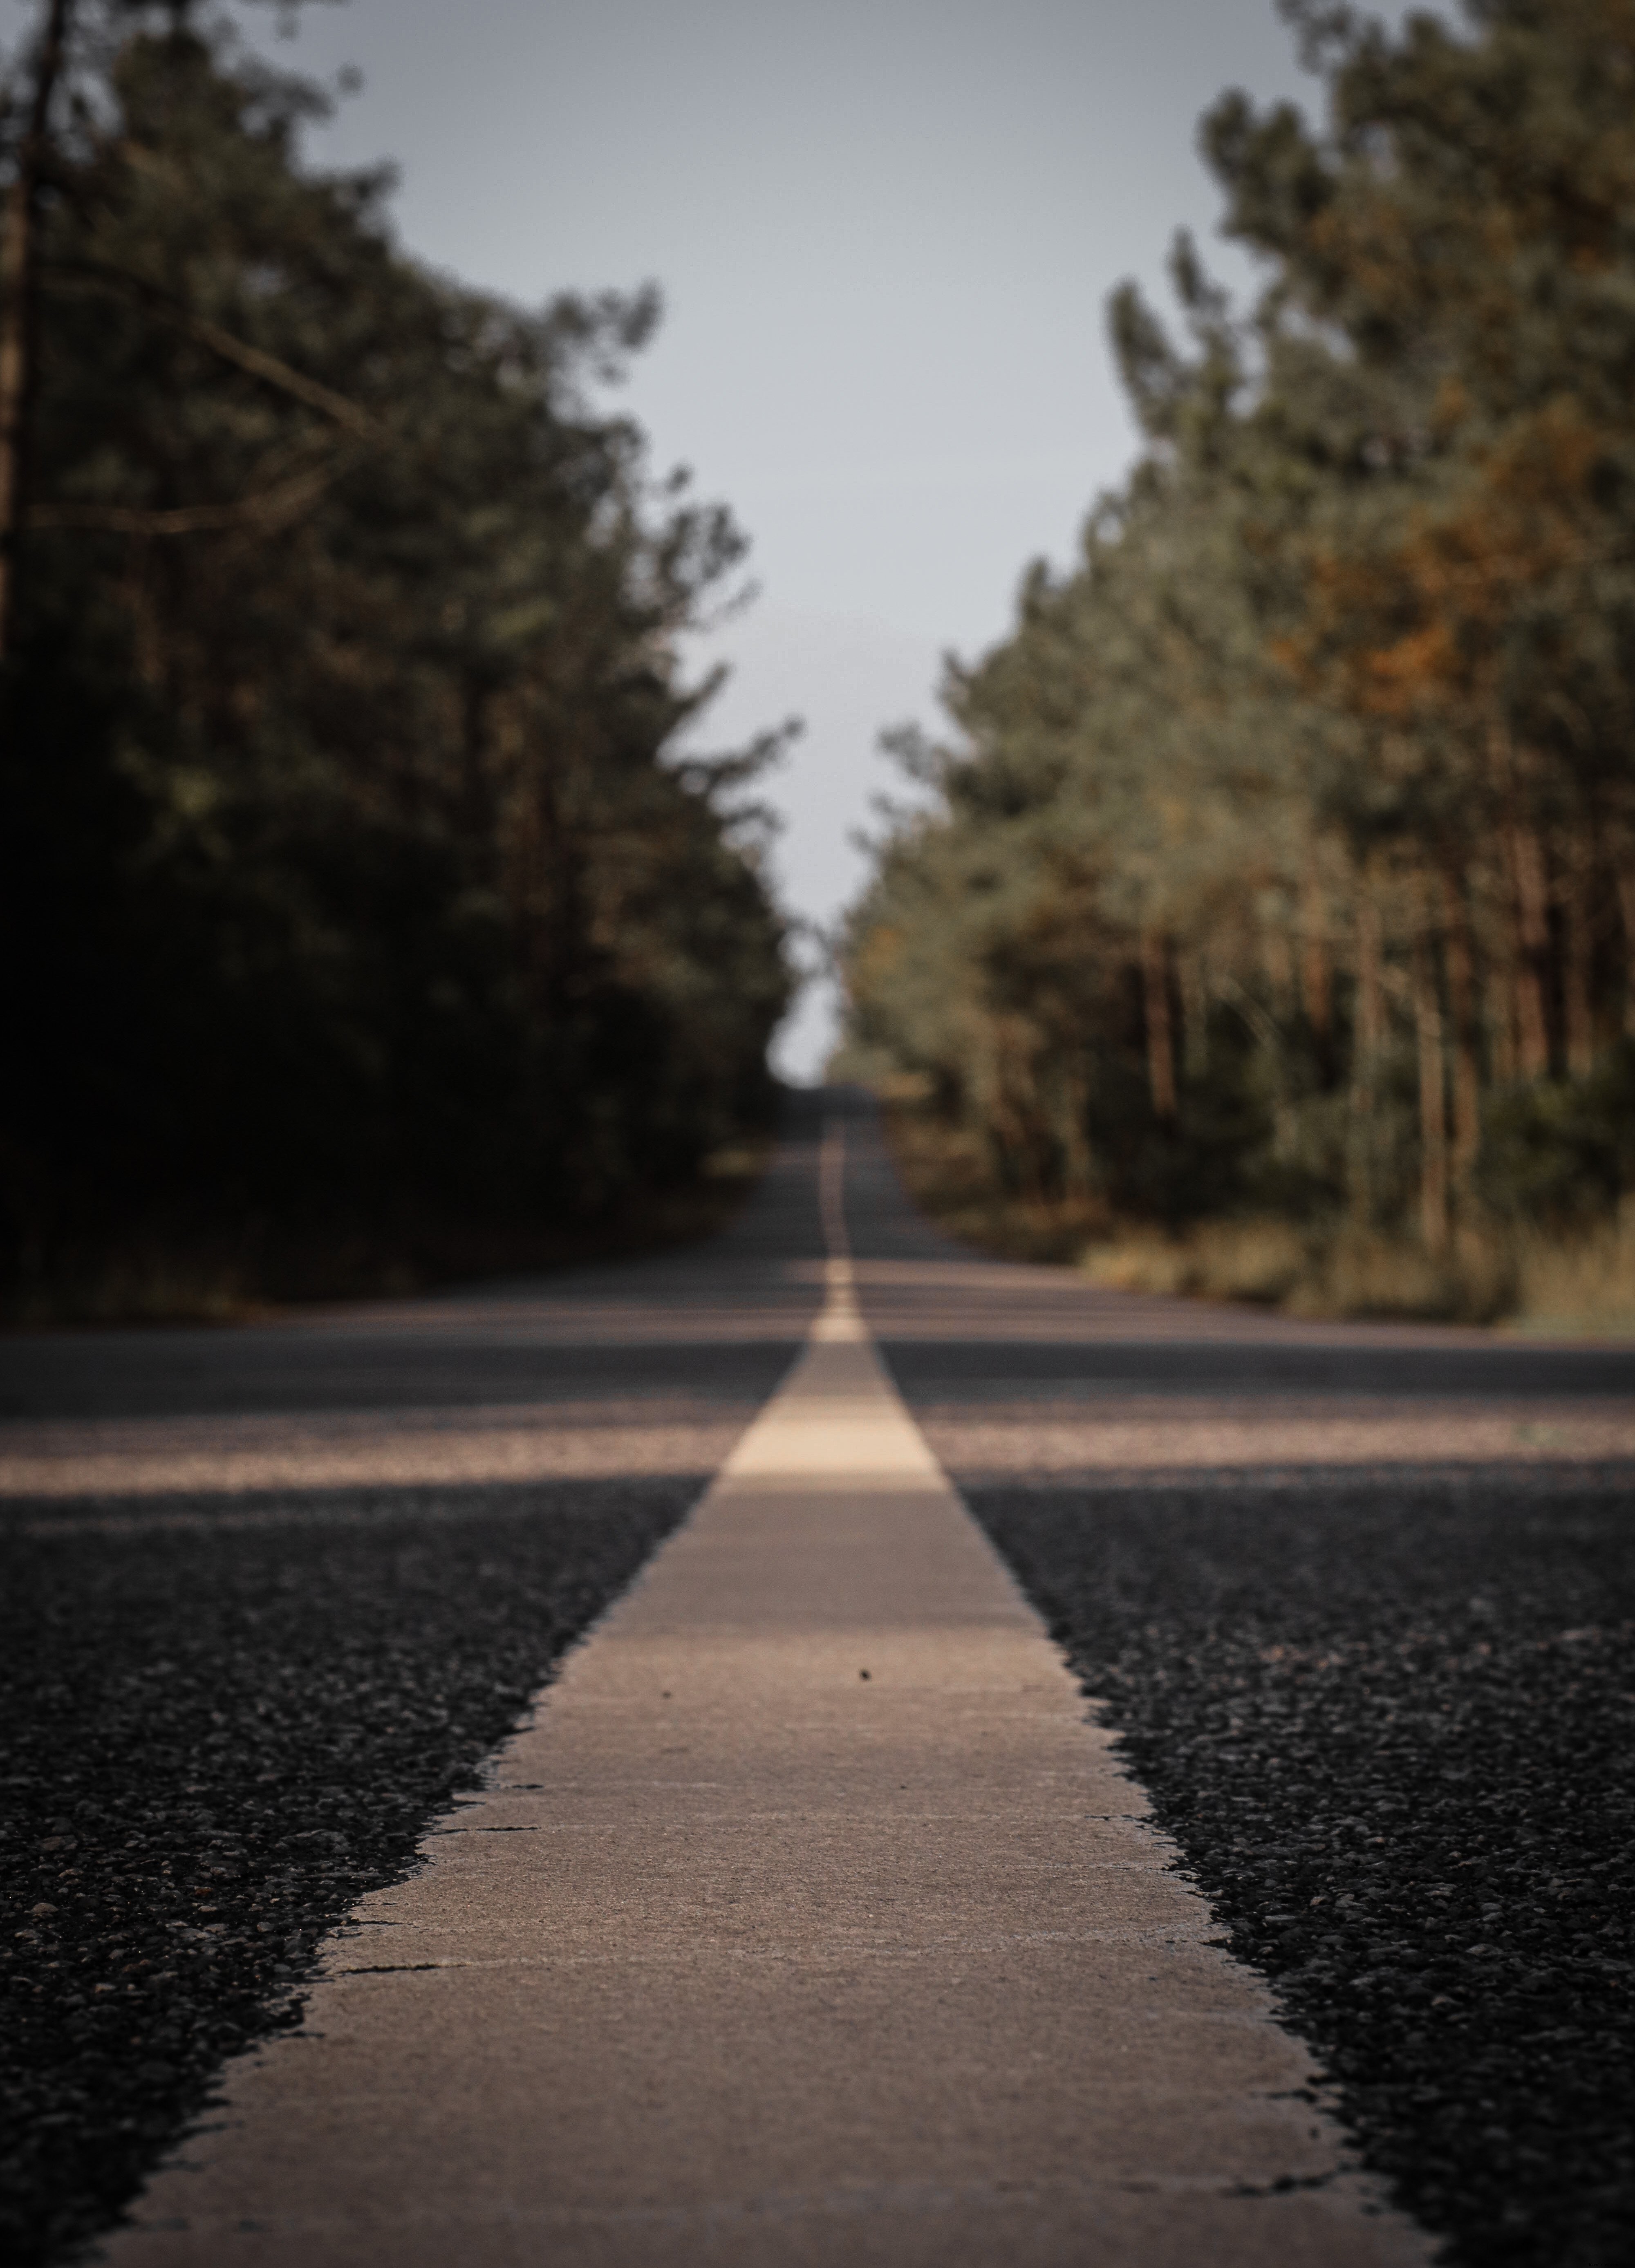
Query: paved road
<point>269,1594</point>
<point>503,1412</point>
<point>1360,1602</point>
<point>699,1338</point>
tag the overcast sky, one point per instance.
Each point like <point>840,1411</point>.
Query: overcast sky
<point>886,235</point>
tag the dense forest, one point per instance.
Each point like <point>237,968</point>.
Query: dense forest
<point>1280,863</point>
<point>354,898</point>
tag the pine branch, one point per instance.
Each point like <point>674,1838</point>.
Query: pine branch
<point>95,274</point>
<point>267,509</point>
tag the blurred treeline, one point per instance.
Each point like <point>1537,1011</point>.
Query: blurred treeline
<point>351,899</point>
<point>1283,861</point>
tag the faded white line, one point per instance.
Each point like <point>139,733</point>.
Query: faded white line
<point>748,2004</point>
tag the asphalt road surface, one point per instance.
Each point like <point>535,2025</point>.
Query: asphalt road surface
<point>1358,1601</point>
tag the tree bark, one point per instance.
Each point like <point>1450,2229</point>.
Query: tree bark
<point>1367,1047</point>
<point>1532,910</point>
<point>1160,1041</point>
<point>1316,980</point>
<point>1279,966</point>
<point>1433,1095</point>
<point>1460,963</point>
<point>1370,998</point>
<point>1579,965</point>
<point>1626,907</point>
<point>1501,1022</point>
<point>18,268</point>
<point>1194,1013</point>
<point>1077,1164</point>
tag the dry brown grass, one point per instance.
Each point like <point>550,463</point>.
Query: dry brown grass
<point>1526,1282</point>
<point>946,1173</point>
<point>1583,1284</point>
<point>1307,1271</point>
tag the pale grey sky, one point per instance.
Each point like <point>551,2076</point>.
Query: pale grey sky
<point>886,234</point>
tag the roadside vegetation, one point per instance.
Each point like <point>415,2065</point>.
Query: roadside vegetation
<point>360,922</point>
<point>1270,930</point>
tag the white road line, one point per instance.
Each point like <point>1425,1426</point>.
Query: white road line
<point>838,1939</point>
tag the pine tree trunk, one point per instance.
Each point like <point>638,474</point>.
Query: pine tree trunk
<point>1279,966</point>
<point>1368,1044</point>
<point>1194,1013</point>
<point>1432,1098</point>
<point>1078,1165</point>
<point>1578,966</point>
<point>1626,907</point>
<point>475,796</point>
<point>1316,981</point>
<point>1160,1043</point>
<point>1460,963</point>
<point>1501,1023</point>
<point>14,362</point>
<point>18,257</point>
<point>1532,968</point>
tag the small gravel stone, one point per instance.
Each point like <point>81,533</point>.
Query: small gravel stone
<point>1391,1722</point>
<point>214,1740</point>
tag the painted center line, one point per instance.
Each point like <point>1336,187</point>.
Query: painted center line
<point>839,1937</point>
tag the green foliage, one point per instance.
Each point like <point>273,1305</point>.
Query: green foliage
<point>344,847</point>
<point>1560,1152</point>
<point>1289,840</point>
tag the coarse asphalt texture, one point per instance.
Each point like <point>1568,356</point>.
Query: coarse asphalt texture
<point>272,1594</point>
<point>238,1676</point>
<point>1385,1706</point>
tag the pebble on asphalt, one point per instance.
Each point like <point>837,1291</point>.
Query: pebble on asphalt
<point>1391,1722</point>
<point>215,1739</point>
